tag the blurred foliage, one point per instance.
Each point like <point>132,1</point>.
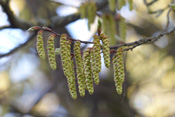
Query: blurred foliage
<point>29,87</point>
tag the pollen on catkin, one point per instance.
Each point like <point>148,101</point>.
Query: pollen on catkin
<point>93,67</point>
<point>118,70</point>
<point>97,53</point>
<point>40,45</point>
<point>106,49</point>
<point>79,68</point>
<point>112,5</point>
<point>122,29</point>
<point>51,51</point>
<point>88,71</point>
<point>121,3</point>
<point>67,64</point>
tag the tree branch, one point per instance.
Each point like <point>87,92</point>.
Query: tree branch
<point>148,40</point>
<point>18,47</point>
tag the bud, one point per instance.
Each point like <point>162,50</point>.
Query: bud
<point>34,28</point>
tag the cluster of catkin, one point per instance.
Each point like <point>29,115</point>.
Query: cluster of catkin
<point>88,10</point>
<point>50,48</point>
<point>88,63</point>
<point>120,3</point>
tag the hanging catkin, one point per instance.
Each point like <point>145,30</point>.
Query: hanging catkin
<point>130,5</point>
<point>112,5</point>
<point>83,12</point>
<point>121,3</point>
<point>51,51</point>
<point>112,30</point>
<point>122,29</point>
<point>118,70</point>
<point>106,49</point>
<point>91,13</point>
<point>88,71</point>
<point>79,68</point>
<point>67,63</point>
<point>93,67</point>
<point>40,44</point>
<point>104,24</point>
<point>97,53</point>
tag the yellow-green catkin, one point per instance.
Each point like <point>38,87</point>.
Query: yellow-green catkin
<point>112,30</point>
<point>104,24</point>
<point>91,13</point>
<point>51,51</point>
<point>106,49</point>
<point>97,53</point>
<point>83,11</point>
<point>122,29</point>
<point>130,5</point>
<point>88,71</point>
<point>79,68</point>
<point>118,70</point>
<point>112,5</point>
<point>120,3</point>
<point>67,63</point>
<point>71,82</point>
<point>93,67</point>
<point>40,45</point>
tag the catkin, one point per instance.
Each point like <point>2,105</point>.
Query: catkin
<point>130,4</point>
<point>118,70</point>
<point>122,29</point>
<point>93,67</point>
<point>97,53</point>
<point>112,29</point>
<point>79,68</point>
<point>106,49</point>
<point>83,11</point>
<point>88,71</point>
<point>112,5</point>
<point>40,45</point>
<point>51,51</point>
<point>104,24</point>
<point>91,13</point>
<point>121,3</point>
<point>67,63</point>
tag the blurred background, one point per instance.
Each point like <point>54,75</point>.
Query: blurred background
<point>29,88</point>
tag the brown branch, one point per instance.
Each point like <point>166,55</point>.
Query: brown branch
<point>148,40</point>
<point>14,22</point>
